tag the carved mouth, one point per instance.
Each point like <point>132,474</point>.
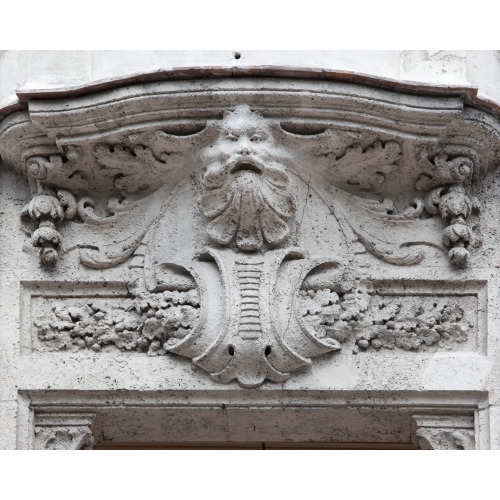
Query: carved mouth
<point>245,166</point>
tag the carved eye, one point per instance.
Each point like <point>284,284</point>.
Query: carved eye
<point>256,138</point>
<point>232,138</point>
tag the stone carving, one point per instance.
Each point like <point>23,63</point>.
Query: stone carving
<point>147,325</point>
<point>366,167</point>
<point>144,170</point>
<point>375,321</point>
<point>437,432</point>
<point>455,165</point>
<point>246,183</point>
<point>64,431</point>
<point>47,210</point>
<point>59,170</point>
<point>245,219</point>
<point>377,227</point>
<point>64,438</point>
<point>454,206</point>
<point>331,310</point>
<point>444,439</point>
<point>450,199</point>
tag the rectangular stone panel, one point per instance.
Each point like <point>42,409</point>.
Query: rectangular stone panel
<point>428,316</point>
<point>400,316</point>
<point>103,317</point>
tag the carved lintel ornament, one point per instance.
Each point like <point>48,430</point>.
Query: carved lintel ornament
<point>250,215</point>
<point>438,432</point>
<point>64,431</point>
<point>46,210</point>
<point>451,170</point>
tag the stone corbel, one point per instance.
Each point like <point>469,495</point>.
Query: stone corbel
<point>442,432</point>
<point>64,431</point>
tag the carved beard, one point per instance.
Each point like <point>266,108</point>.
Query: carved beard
<point>248,209</point>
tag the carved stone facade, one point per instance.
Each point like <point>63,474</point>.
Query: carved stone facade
<point>284,234</point>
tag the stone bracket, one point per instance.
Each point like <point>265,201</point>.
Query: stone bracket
<point>64,431</point>
<point>443,432</point>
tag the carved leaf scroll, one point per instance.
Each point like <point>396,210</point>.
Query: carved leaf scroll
<point>133,169</point>
<point>451,166</point>
<point>62,171</point>
<point>366,168</point>
<point>64,438</point>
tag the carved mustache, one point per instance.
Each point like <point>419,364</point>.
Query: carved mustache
<point>218,172</point>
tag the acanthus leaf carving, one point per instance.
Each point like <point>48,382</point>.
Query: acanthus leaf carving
<point>64,431</point>
<point>366,168</point>
<point>394,238</point>
<point>133,169</point>
<point>452,165</point>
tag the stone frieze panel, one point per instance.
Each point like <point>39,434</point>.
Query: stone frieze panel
<point>360,317</point>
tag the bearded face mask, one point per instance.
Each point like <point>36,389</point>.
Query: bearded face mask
<point>246,185</point>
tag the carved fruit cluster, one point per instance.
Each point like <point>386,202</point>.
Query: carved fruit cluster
<point>455,206</point>
<point>412,325</point>
<point>333,315</point>
<point>383,322</point>
<point>148,325</point>
<point>47,210</point>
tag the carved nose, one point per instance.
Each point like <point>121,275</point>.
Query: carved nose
<point>244,151</point>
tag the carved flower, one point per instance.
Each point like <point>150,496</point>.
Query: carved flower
<point>455,203</point>
<point>246,180</point>
<point>45,206</point>
<point>455,233</point>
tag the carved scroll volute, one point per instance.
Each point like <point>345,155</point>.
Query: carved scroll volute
<point>451,171</point>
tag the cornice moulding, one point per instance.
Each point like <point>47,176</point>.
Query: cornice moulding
<point>468,93</point>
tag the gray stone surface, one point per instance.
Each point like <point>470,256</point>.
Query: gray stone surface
<point>248,259</point>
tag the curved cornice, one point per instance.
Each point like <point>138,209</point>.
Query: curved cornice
<point>469,94</point>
